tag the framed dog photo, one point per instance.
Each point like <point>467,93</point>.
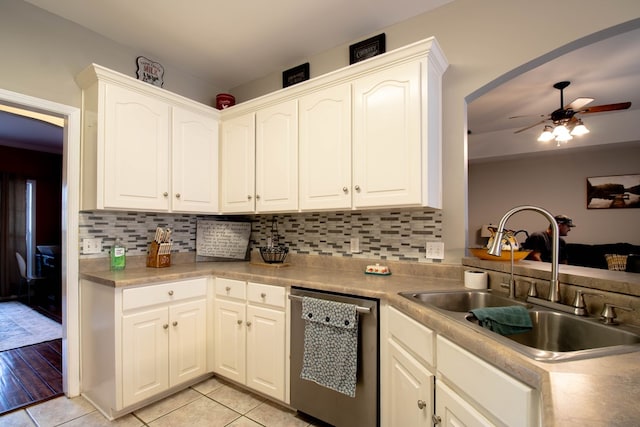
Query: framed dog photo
<point>367,48</point>
<point>295,75</point>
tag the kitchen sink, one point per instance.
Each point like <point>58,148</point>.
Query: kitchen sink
<point>460,301</point>
<point>561,336</point>
<point>555,336</point>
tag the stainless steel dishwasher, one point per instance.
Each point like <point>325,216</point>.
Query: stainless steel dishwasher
<point>323,403</point>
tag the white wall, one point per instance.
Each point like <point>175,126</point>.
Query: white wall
<point>558,183</point>
<point>483,41</point>
<point>41,54</point>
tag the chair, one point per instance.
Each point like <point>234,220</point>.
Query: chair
<point>28,280</point>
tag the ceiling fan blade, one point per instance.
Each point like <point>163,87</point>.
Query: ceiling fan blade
<point>578,103</point>
<point>528,115</point>
<point>606,107</point>
<point>529,127</point>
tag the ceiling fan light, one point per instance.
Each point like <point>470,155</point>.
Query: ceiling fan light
<point>564,137</point>
<point>546,134</point>
<point>580,129</point>
<point>560,131</point>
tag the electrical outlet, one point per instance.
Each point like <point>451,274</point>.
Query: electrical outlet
<point>435,250</point>
<point>355,245</point>
<point>91,246</point>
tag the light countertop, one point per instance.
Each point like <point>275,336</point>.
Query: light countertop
<point>598,391</point>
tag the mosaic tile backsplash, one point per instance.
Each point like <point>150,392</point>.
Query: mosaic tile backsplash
<point>398,235</point>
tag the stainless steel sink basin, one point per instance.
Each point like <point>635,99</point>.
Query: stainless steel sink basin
<point>555,336</point>
<point>460,301</point>
<point>558,336</point>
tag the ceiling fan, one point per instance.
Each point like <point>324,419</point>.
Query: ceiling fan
<point>566,115</point>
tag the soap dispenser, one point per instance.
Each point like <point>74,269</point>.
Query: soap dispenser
<point>118,257</point>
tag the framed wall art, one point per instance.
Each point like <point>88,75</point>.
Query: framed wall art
<point>150,71</point>
<point>295,75</point>
<point>613,192</point>
<point>367,48</point>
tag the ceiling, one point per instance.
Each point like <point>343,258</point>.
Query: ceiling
<point>607,70</point>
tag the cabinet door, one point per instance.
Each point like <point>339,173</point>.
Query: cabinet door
<point>387,138</point>
<point>238,165</point>
<point>136,151</point>
<point>410,390</point>
<point>229,338</point>
<point>145,366</point>
<point>188,340</point>
<point>453,411</point>
<point>277,158</point>
<point>194,162</point>
<point>325,149</point>
<point>266,351</point>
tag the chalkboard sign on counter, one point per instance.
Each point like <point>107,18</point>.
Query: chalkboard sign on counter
<point>222,240</point>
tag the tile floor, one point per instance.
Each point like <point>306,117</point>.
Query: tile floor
<point>211,403</point>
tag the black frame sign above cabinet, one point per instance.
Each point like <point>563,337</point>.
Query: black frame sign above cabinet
<point>295,75</point>
<point>367,48</point>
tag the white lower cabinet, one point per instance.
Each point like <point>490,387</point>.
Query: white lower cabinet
<point>250,335</point>
<point>408,395</point>
<point>141,343</point>
<point>428,380</point>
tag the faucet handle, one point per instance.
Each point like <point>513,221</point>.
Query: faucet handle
<point>578,301</point>
<point>608,314</point>
<point>533,291</point>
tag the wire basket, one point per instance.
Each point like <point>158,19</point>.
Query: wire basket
<point>274,254</point>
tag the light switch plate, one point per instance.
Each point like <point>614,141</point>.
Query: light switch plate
<point>355,245</point>
<point>435,250</point>
<point>91,246</point>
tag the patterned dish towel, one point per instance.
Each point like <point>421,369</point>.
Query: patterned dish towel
<point>330,344</point>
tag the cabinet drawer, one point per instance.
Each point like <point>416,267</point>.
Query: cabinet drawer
<point>230,288</point>
<point>266,294</point>
<point>504,397</point>
<point>163,293</point>
<point>413,336</point>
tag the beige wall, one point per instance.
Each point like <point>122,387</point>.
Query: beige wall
<point>40,54</point>
<point>483,40</point>
<point>557,182</point>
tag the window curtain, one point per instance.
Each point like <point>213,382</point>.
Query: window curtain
<point>12,232</point>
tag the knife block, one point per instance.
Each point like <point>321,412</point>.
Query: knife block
<point>154,259</point>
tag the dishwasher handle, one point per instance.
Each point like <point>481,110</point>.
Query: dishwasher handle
<point>364,310</point>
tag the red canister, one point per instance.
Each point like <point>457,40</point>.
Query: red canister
<point>224,100</point>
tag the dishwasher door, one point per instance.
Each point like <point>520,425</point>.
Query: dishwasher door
<point>323,403</point>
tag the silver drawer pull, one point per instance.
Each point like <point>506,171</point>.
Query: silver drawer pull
<point>165,326</point>
<point>228,288</point>
<point>170,293</point>
<point>422,404</point>
<point>175,323</point>
<point>248,324</point>
<point>435,419</point>
<point>177,195</point>
<point>263,295</point>
<point>239,322</point>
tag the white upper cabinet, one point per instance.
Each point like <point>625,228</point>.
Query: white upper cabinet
<point>277,157</point>
<point>144,148</point>
<point>238,164</point>
<point>325,149</point>
<point>387,138</point>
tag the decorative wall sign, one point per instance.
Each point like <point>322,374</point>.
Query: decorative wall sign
<point>149,71</point>
<point>367,48</point>
<point>295,75</point>
<point>611,192</point>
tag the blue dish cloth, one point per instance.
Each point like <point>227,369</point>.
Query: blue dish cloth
<point>504,320</point>
<point>330,356</point>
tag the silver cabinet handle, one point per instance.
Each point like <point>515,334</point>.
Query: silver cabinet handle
<point>257,197</point>
<point>345,190</point>
<point>228,288</point>
<point>249,197</point>
<point>435,419</point>
<point>175,323</point>
<point>263,295</point>
<point>177,195</point>
<point>248,324</point>
<point>357,188</point>
<point>422,404</point>
<point>170,293</point>
<point>239,322</point>
<point>165,194</point>
<point>165,326</point>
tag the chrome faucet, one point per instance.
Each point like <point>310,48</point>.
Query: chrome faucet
<point>496,245</point>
